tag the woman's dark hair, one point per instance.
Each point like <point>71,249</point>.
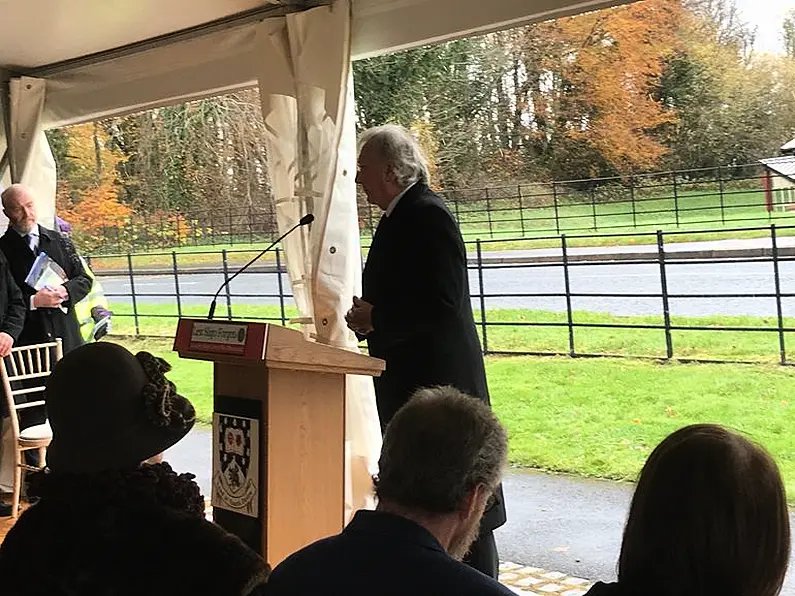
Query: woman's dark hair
<point>147,485</point>
<point>709,517</point>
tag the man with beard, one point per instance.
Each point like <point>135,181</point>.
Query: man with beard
<point>51,309</point>
<point>415,310</point>
<point>442,457</point>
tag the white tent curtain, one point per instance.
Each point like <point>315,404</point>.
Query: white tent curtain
<point>307,101</point>
<point>30,159</point>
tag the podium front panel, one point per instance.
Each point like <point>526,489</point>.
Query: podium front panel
<point>306,463</point>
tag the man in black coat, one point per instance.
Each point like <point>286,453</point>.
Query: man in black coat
<point>443,454</point>
<point>415,309</point>
<point>50,311</point>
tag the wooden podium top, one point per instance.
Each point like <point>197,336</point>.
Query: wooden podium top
<point>255,343</point>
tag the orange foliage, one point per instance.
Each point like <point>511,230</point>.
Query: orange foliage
<point>613,59</point>
<point>88,198</point>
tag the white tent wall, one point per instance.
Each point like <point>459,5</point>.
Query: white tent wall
<point>307,103</point>
<point>30,160</point>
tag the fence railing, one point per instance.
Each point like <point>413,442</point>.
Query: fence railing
<point>653,300</point>
<point>685,199</point>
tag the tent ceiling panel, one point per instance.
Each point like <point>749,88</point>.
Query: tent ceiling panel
<point>382,26</point>
<point>42,32</point>
<point>123,60</point>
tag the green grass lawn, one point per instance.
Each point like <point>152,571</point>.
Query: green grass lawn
<point>510,228</point>
<point>600,417</point>
<point>161,320</point>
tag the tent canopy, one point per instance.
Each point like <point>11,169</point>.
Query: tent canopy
<point>101,58</point>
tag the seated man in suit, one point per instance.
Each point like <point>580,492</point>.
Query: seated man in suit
<point>443,456</point>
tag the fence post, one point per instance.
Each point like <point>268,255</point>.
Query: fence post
<point>676,198</point>
<point>250,226</point>
<point>669,346</point>
<point>132,293</point>
<point>593,209</point>
<point>455,206</point>
<point>720,191</point>
<point>781,338</point>
<point>163,242</point>
<point>175,270</point>
<point>555,201</point>
<point>482,297</point>
<point>226,283</point>
<point>231,229</point>
<point>521,209</point>
<point>567,282</point>
<point>632,198</point>
<point>281,284</point>
<point>488,213</point>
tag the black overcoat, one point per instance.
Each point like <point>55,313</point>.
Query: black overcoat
<point>416,278</point>
<point>45,324</point>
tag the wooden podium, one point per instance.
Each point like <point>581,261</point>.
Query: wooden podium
<point>278,477</point>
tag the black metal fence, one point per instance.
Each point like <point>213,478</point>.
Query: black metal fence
<point>685,199</point>
<point>725,301</point>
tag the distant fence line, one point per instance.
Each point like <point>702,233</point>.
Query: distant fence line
<point>730,195</point>
<point>147,300</point>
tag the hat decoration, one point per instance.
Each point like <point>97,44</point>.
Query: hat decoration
<point>164,408</point>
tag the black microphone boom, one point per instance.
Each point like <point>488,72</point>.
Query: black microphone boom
<point>304,221</point>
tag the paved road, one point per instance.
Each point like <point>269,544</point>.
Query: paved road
<point>742,278</point>
<point>557,522</point>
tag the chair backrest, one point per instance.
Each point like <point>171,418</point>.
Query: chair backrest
<point>28,363</point>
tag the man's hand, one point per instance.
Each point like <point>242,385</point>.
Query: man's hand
<point>360,316</point>
<point>61,291</point>
<point>6,343</point>
<point>47,298</point>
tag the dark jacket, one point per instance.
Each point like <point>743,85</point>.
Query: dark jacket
<point>12,305</point>
<point>417,280</point>
<point>46,324</point>
<point>65,549</point>
<point>379,553</point>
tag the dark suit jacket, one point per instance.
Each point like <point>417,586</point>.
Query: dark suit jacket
<point>417,281</point>
<point>379,553</point>
<point>12,304</point>
<point>45,324</point>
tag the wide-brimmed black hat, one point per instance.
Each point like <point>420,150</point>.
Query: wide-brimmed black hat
<point>110,410</point>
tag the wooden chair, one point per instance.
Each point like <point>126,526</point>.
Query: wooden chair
<point>24,372</point>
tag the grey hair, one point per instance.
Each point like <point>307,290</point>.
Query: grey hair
<point>437,449</point>
<point>400,150</point>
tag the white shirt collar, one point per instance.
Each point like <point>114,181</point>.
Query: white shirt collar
<point>34,231</point>
<point>394,202</point>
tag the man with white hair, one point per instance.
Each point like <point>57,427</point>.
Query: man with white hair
<point>415,309</point>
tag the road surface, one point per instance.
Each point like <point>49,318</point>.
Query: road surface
<point>726,278</point>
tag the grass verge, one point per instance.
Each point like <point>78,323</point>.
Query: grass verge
<point>507,222</point>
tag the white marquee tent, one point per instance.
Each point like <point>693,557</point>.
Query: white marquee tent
<point>70,61</point>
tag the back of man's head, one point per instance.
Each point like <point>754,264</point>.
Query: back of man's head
<point>439,447</point>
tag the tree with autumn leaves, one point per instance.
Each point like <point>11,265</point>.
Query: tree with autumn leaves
<point>88,186</point>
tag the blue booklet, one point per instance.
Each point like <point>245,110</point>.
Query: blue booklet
<point>45,273</point>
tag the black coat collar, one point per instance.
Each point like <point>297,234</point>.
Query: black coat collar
<point>393,527</point>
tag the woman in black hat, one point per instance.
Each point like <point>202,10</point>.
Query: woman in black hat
<point>104,523</point>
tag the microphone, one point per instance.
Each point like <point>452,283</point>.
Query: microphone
<point>304,221</point>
